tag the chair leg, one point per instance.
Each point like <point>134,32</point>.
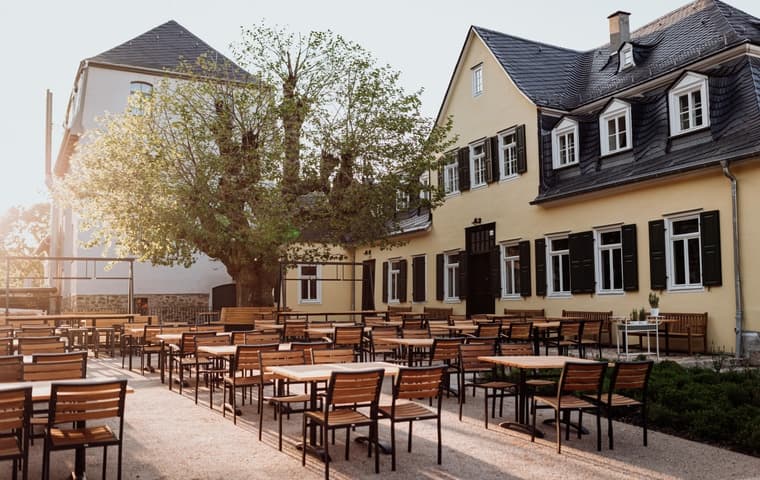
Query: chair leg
<point>438,421</point>
<point>105,461</point>
<point>485,405</point>
<point>348,441</point>
<point>609,427</point>
<point>15,469</point>
<point>326,446</point>
<point>533,428</point>
<point>598,431</point>
<point>303,434</point>
<point>393,445</point>
<point>118,463</point>
<point>644,421</point>
<point>580,422</point>
<point>559,431</point>
<point>409,439</point>
<point>376,440</point>
<point>279,427</point>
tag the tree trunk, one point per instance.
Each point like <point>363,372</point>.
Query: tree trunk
<point>255,285</point>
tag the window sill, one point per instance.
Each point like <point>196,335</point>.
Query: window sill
<point>511,297</point>
<point>452,300</point>
<point>682,133</point>
<point>694,289</point>
<point>509,178</point>
<point>478,187</point>
<point>452,194</point>
<point>616,152</point>
<point>560,295</point>
<point>611,293</point>
<point>567,165</point>
<point>310,302</point>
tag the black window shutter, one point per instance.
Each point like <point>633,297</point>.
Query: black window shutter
<point>582,262</point>
<point>495,271</point>
<point>541,267</point>
<point>402,281</point>
<point>462,274</point>
<point>489,154</point>
<point>463,165</point>
<point>418,279</point>
<point>525,289</point>
<point>385,282</point>
<point>630,259</point>
<point>709,227</point>
<point>658,279</point>
<point>522,158</point>
<point>495,158</point>
<point>439,277</point>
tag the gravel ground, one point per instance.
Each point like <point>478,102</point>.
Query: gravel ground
<point>167,436</point>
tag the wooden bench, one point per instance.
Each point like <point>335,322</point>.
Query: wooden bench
<point>239,317</point>
<point>593,315</point>
<point>685,325</point>
<point>399,308</point>
<point>535,313</point>
<point>437,313</point>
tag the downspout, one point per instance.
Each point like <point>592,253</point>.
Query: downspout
<point>737,263</point>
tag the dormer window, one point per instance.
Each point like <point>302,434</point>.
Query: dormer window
<point>565,143</point>
<point>689,105</point>
<point>615,127</point>
<point>626,57</point>
<point>477,80</point>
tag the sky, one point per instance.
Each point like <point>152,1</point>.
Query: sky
<point>44,41</point>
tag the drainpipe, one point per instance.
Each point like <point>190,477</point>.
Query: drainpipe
<point>737,264</point>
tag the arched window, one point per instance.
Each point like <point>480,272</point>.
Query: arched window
<point>144,88</point>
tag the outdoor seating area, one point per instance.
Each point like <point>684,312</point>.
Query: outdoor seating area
<point>305,395</point>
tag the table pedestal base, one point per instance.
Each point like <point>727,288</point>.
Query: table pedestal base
<point>522,428</point>
<point>384,448</point>
<point>573,425</point>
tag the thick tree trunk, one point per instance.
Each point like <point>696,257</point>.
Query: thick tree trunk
<point>255,285</point>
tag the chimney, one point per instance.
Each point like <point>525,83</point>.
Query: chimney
<point>620,31</point>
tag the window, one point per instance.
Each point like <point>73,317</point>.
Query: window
<point>478,165</point>
<point>310,289</point>
<point>564,143</point>
<point>142,89</point>
<point>626,57</point>
<point>688,103</point>
<point>425,186</point>
<point>558,256</point>
<point>510,271</point>
<point>615,128</point>
<point>508,154</point>
<point>609,258</point>
<point>684,252</point>
<point>451,178</point>
<point>477,80</point>
<point>451,277</point>
<point>394,281</point>
<point>402,201</point>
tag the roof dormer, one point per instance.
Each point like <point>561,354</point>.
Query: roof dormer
<point>625,57</point>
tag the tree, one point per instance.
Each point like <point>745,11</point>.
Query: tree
<point>22,232</point>
<point>309,152</point>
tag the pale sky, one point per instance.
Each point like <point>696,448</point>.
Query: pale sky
<point>44,41</point>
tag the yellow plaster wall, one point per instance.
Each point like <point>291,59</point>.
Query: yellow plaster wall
<point>336,286</point>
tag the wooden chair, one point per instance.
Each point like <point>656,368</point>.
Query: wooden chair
<point>78,357</point>
<point>445,352</point>
<point>419,383</point>
<point>569,336</point>
<point>245,372</point>
<point>592,336</point>
<point>577,378</point>
<point>280,399</point>
<point>415,332</point>
<point>379,344</point>
<point>149,346</point>
<point>374,321</point>
<point>6,346</point>
<point>71,368</point>
<point>32,345</point>
<point>15,409</point>
<point>439,328</point>
<point>238,337</point>
<point>349,337</point>
<point>212,368</point>
<point>261,338</point>
<point>346,393</point>
<point>81,403</point>
<point>627,377</point>
<point>337,355</point>
<point>294,330</point>
<point>308,347</point>
<point>488,330</point>
<point>184,355</point>
<point>35,331</point>
<point>519,332</point>
<point>469,363</point>
<point>11,368</point>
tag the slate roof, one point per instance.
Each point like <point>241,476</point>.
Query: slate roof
<point>164,48</point>
<point>734,133</point>
<point>562,78</point>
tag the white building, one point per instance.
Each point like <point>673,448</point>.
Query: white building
<point>103,83</point>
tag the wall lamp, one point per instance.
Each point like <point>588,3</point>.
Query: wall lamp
<point>477,221</point>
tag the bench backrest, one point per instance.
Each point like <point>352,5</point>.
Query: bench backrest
<point>696,323</point>
<point>525,313</point>
<point>437,313</point>
<point>399,308</point>
<point>245,315</point>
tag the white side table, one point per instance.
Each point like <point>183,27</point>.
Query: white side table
<point>626,327</point>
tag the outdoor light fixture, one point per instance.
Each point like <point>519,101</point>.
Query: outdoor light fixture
<point>477,221</point>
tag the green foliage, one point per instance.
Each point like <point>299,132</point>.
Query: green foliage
<point>22,230</point>
<point>654,300</point>
<point>706,405</point>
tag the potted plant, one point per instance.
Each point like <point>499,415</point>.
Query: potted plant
<point>654,302</point>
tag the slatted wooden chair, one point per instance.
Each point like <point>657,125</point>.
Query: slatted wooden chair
<point>570,334</point>
<point>15,409</point>
<point>349,337</point>
<point>488,330</point>
<point>184,355</point>
<point>261,338</point>
<point>418,383</point>
<point>629,378</point>
<point>374,321</point>
<point>68,369</point>
<point>212,368</point>
<point>6,346</point>
<point>308,347</point>
<point>445,352</point>
<point>592,336</point>
<point>280,400</point>
<point>379,344</point>
<point>238,337</point>
<point>11,368</point>
<point>519,332</point>
<point>32,345</point>
<point>294,330</point>
<point>82,403</point>
<point>337,355</point>
<point>76,357</point>
<point>415,332</point>
<point>577,378</point>
<point>533,382</point>
<point>245,372</point>
<point>469,363</point>
<point>6,331</point>
<point>35,331</point>
<point>346,393</point>
<point>439,328</point>
<point>149,346</point>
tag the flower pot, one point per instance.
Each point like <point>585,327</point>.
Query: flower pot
<point>655,312</point>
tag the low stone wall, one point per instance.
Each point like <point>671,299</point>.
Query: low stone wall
<point>168,307</point>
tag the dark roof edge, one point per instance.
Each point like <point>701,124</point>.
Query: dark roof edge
<point>451,78</point>
<point>536,42</point>
<point>653,176</point>
<point>163,73</point>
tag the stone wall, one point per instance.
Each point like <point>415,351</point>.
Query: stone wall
<point>168,307</point>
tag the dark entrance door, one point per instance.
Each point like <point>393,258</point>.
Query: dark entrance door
<point>482,268</point>
<point>223,296</point>
<point>368,285</point>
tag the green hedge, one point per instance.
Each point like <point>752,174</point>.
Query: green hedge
<point>706,405</point>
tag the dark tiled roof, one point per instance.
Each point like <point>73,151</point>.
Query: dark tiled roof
<point>166,47</point>
<point>562,78</point>
<point>734,133</point>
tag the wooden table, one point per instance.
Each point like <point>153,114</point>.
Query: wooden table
<point>328,330</point>
<point>321,373</point>
<point>524,363</point>
<point>57,319</point>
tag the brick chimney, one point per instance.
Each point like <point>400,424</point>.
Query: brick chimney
<point>620,31</point>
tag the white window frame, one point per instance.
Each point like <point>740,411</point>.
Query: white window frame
<point>451,178</point>
<point>670,238</point>
<point>615,110</point>
<point>565,290</point>
<point>394,275</point>
<point>690,83</point>
<point>477,80</point>
<point>139,87</point>
<point>564,128</point>
<point>599,248</point>
<point>508,154</point>
<point>508,263</point>
<point>425,183</point>
<point>402,201</point>
<point>626,57</point>
<point>481,169</point>
<point>313,278</point>
<point>451,271</point>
